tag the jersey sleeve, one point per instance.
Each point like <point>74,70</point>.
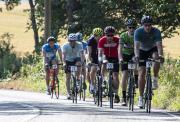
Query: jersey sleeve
<point>122,38</point>
<point>89,42</point>
<point>158,37</point>
<point>101,43</point>
<point>43,48</point>
<point>137,36</point>
<point>64,49</point>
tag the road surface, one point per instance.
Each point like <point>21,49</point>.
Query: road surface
<point>18,106</point>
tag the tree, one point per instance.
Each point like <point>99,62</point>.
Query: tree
<point>47,11</point>
<point>34,24</point>
<point>84,15</point>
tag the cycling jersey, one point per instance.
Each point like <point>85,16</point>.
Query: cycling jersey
<point>50,53</point>
<point>72,52</point>
<point>148,40</point>
<point>110,49</point>
<point>127,43</point>
<point>92,42</point>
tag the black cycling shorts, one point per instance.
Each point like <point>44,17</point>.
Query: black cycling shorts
<point>144,55</point>
<point>126,59</point>
<point>116,63</point>
<point>69,63</point>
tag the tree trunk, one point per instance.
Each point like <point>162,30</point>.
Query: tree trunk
<point>71,6</point>
<point>34,24</point>
<point>47,31</point>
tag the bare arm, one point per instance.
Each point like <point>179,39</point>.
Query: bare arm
<point>160,48</point>
<point>136,48</point>
<point>44,56</point>
<point>120,50</point>
<point>100,54</point>
<point>89,53</point>
<point>82,55</point>
<point>60,55</point>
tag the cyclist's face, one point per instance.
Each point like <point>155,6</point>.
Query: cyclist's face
<point>147,27</point>
<point>97,37</point>
<point>51,44</point>
<point>72,43</point>
<point>131,29</point>
<point>109,37</point>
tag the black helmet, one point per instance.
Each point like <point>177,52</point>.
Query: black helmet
<point>131,22</point>
<point>146,19</point>
<point>51,38</point>
<point>109,29</point>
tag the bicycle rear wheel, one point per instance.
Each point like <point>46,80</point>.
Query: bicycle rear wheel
<point>75,90</point>
<point>95,95</point>
<point>100,90</point>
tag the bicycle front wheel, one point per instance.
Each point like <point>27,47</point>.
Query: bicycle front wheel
<point>56,88</point>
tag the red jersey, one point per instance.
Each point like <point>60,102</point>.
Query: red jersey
<point>110,49</point>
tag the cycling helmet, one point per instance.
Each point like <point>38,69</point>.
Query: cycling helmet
<point>51,38</point>
<point>131,23</point>
<point>72,37</point>
<point>146,19</point>
<point>97,31</point>
<point>79,36</point>
<point>109,29</point>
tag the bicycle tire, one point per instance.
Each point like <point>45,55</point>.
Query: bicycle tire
<point>110,90</point>
<point>149,94</point>
<point>100,90</point>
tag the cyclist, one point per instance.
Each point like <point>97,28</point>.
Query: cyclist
<point>80,39</point>
<point>49,51</point>
<point>93,54</point>
<point>108,46</point>
<point>126,53</point>
<point>72,55</point>
<point>148,43</point>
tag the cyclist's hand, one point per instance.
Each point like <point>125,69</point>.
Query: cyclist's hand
<point>161,58</point>
<point>64,65</point>
<point>120,60</point>
<point>136,59</point>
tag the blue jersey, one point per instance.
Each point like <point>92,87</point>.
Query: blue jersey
<point>147,40</point>
<point>84,45</point>
<point>50,53</point>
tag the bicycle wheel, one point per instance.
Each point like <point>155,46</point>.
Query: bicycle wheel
<point>56,88</point>
<point>100,90</point>
<point>110,90</point>
<point>149,94</point>
<point>72,90</point>
<point>52,87</point>
<point>84,90</point>
<point>133,94</point>
<point>75,90</point>
<point>129,94</point>
<point>95,95</point>
<point>81,88</point>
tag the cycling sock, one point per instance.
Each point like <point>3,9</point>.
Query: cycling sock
<point>124,95</point>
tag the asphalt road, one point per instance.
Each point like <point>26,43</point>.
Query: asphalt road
<point>18,106</point>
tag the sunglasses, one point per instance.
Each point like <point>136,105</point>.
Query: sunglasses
<point>110,35</point>
<point>131,27</point>
<point>147,25</point>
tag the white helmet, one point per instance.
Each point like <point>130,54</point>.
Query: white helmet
<point>72,37</point>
